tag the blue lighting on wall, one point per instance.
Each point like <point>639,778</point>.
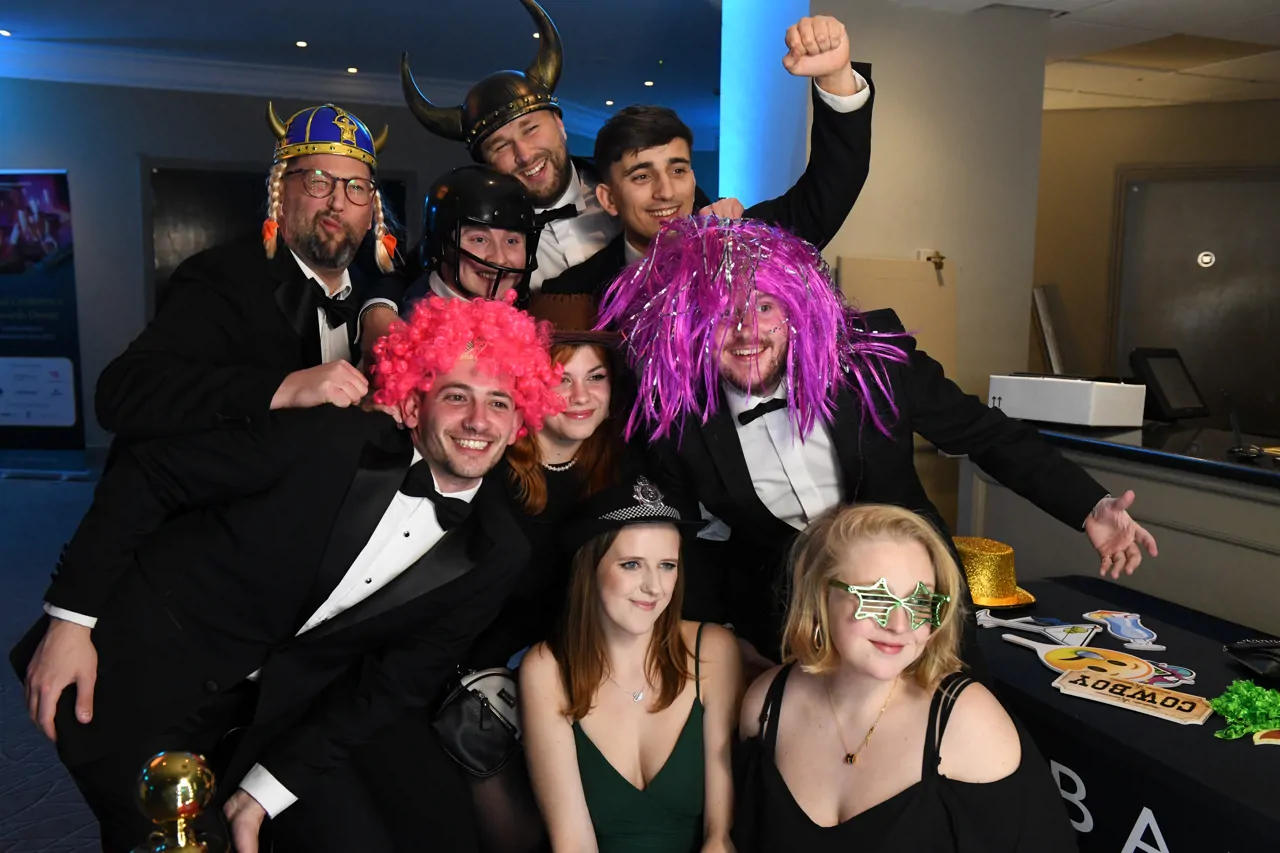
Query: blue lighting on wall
<point>763,109</point>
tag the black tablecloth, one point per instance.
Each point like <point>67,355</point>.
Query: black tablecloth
<point>1134,782</point>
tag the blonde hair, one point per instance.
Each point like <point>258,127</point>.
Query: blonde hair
<point>823,549</point>
<point>275,200</point>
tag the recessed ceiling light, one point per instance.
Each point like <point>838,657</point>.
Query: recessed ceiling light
<point>537,35</point>
<point>352,70</point>
<point>608,103</point>
<point>300,43</point>
<point>5,33</point>
<point>648,82</point>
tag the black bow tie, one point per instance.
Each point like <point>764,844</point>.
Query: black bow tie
<point>759,410</point>
<point>418,483</point>
<point>546,217</point>
<point>336,311</point>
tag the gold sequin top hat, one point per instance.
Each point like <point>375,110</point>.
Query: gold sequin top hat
<point>988,566</point>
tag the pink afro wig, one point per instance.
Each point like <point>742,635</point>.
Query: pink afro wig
<point>671,306</point>
<point>504,341</point>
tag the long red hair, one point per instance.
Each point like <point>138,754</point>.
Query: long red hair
<point>597,459</point>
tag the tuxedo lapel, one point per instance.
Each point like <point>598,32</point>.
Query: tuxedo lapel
<point>372,489</point>
<point>846,437</point>
<point>455,554</point>
<point>294,296</point>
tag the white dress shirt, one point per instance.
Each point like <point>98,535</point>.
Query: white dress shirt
<point>797,480</point>
<point>408,529</point>
<point>568,242</point>
<point>334,344</point>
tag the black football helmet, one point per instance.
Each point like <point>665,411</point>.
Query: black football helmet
<point>477,195</point>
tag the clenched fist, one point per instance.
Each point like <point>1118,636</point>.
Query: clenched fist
<point>336,382</point>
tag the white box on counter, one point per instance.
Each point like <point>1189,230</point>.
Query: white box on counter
<point>1060,400</point>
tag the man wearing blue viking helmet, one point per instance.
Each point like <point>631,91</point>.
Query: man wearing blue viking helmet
<point>239,331</point>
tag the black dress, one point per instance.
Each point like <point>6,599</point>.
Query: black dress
<point>1021,813</point>
<point>535,600</point>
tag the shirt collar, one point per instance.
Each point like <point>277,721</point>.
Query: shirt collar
<point>739,402</point>
<point>629,252</point>
<point>439,288</point>
<point>344,289</point>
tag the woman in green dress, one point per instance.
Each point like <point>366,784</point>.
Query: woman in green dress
<point>629,711</point>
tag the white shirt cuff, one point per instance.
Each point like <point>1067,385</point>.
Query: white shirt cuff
<point>267,790</point>
<point>371,303</point>
<point>847,103</point>
<point>68,616</point>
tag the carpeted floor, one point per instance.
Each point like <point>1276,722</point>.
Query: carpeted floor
<point>40,809</point>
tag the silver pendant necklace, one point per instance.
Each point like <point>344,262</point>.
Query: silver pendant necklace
<point>636,695</point>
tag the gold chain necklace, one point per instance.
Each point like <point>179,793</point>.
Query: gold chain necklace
<point>852,757</point>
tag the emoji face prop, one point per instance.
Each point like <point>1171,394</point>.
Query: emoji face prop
<point>1099,662</point>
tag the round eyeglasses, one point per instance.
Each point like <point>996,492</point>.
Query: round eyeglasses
<point>320,184</point>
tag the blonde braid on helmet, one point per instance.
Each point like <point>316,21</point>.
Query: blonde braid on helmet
<point>275,198</point>
<point>382,252</point>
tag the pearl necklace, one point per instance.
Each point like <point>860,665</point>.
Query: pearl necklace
<point>560,466</point>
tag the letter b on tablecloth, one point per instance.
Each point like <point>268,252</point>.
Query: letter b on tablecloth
<point>1075,796</point>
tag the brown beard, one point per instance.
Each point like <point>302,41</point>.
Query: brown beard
<point>559,162</point>
<point>335,253</point>
<point>766,384</point>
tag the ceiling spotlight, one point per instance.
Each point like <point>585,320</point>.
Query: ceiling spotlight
<point>5,33</point>
<point>537,35</point>
<point>352,70</point>
<point>648,82</point>
<point>608,103</point>
<point>300,43</point>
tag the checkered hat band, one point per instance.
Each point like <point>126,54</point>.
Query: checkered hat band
<point>633,513</point>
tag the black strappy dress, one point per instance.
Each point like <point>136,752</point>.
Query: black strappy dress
<point>1021,813</point>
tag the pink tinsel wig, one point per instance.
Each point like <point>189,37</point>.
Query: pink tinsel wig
<point>504,341</point>
<point>670,306</point>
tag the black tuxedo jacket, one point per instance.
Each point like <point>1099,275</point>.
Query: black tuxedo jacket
<point>203,555</point>
<point>814,208</point>
<point>706,463</point>
<point>232,324</point>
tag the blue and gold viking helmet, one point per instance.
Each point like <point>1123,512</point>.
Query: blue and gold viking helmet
<point>497,99</point>
<point>325,129</point>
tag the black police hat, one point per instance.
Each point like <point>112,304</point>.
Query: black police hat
<point>634,501</point>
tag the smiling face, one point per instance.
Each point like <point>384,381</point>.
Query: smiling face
<point>463,425</point>
<point>649,187</point>
<point>637,576</point>
<point>586,390</point>
<point>753,345</point>
<point>533,149</point>
<point>881,652</point>
<point>325,232</point>
<point>495,245</point>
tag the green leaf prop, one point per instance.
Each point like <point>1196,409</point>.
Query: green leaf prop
<point>1247,708</point>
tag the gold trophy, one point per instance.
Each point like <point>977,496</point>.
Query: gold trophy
<point>173,789</point>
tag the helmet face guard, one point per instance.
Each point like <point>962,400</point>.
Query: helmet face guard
<point>520,274</point>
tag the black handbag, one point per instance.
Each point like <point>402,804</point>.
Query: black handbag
<point>478,723</point>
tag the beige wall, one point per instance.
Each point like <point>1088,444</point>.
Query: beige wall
<point>100,134</point>
<point>955,161</point>
<point>1081,150</point>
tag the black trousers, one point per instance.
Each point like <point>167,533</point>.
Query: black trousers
<point>109,784</point>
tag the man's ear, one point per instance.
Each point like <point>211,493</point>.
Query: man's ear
<point>605,196</point>
<point>560,124</point>
<point>516,426</point>
<point>411,410</point>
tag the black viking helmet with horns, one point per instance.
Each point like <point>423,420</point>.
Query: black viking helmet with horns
<point>497,99</point>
